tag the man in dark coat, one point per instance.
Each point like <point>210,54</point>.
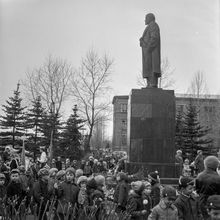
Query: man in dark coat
<point>208,182</point>
<point>150,43</point>
<point>199,162</point>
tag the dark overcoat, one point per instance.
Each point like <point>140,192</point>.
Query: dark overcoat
<point>150,43</point>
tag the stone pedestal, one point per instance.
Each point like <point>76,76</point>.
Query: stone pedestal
<point>151,130</point>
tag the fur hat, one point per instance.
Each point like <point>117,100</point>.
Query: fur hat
<point>214,202</point>
<point>79,172</point>
<point>137,186</point>
<point>82,179</point>
<point>154,176</point>
<point>14,171</point>
<point>169,191</point>
<point>52,171</point>
<point>43,172</point>
<point>60,174</point>
<point>70,170</point>
<point>185,181</point>
<point>2,176</point>
<point>91,184</point>
<point>146,184</point>
<point>211,162</point>
<point>100,180</point>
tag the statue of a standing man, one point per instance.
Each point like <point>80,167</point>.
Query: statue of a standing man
<point>150,43</point>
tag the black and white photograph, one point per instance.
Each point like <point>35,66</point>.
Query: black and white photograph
<point>109,110</point>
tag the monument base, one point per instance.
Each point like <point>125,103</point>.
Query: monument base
<point>151,130</point>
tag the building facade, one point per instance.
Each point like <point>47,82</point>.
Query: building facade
<point>208,115</point>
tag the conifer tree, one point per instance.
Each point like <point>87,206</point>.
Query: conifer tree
<point>179,140</point>
<point>34,123</point>
<point>12,123</point>
<point>195,135</point>
<point>71,135</point>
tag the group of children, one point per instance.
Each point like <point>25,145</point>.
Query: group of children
<point>68,194</point>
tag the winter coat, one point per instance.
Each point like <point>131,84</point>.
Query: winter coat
<point>67,194</point>
<point>41,192</point>
<point>199,163</point>
<point>162,212</point>
<point>3,192</point>
<point>150,43</point>
<point>188,208</point>
<point>121,194</point>
<point>207,184</point>
<point>24,181</point>
<point>135,206</point>
<point>155,194</point>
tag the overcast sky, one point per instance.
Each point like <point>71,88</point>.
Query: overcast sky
<point>30,30</point>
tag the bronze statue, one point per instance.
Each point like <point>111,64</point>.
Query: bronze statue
<point>150,43</point>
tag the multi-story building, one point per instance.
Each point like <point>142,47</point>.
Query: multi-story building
<point>208,115</point>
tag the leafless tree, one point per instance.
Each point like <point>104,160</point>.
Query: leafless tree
<point>90,89</point>
<point>166,80</point>
<point>50,82</point>
<point>198,85</point>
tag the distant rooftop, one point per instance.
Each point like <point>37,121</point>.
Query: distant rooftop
<point>202,96</point>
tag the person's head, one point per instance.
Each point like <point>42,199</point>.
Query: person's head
<point>2,179</point>
<point>186,185</point>
<point>95,161</point>
<point>211,162</point>
<point>70,174</point>
<point>147,188</point>
<point>15,175</point>
<point>42,149</point>
<point>67,161</point>
<point>43,174</point>
<point>79,172</point>
<point>82,181</point>
<point>100,180</point>
<point>153,177</point>
<point>149,18</point>
<point>59,158</point>
<point>214,207</point>
<point>91,185</point>
<point>53,161</point>
<point>121,176</point>
<point>186,161</point>
<point>74,162</point>
<point>169,195</point>
<point>91,158</point>
<point>53,172</point>
<point>61,175</point>
<point>179,152</point>
<point>138,187</point>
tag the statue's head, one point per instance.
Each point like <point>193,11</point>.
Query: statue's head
<point>149,18</point>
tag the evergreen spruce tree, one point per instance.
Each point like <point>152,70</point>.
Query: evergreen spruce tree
<point>195,136</point>
<point>34,123</point>
<point>12,123</point>
<point>72,136</point>
<point>179,140</point>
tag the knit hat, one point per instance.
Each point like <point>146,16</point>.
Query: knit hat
<point>169,191</point>
<point>82,179</point>
<point>154,176</point>
<point>214,202</point>
<point>60,174</point>
<point>91,184</point>
<point>137,186</point>
<point>43,172</point>
<point>14,171</point>
<point>211,162</point>
<point>100,180</point>
<point>52,171</point>
<point>2,176</point>
<point>79,172</point>
<point>146,184</point>
<point>70,170</point>
<point>185,181</point>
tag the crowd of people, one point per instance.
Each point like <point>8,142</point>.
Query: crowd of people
<point>99,188</point>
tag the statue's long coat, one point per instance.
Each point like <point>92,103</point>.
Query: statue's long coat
<point>150,43</point>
